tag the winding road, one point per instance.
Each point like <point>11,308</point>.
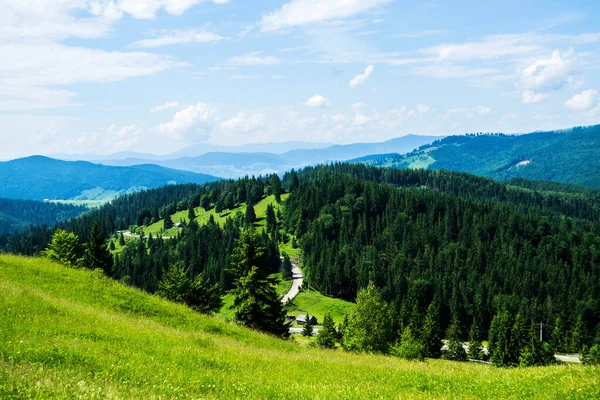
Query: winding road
<point>297,280</point>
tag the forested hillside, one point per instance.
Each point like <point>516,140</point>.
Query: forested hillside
<point>466,246</point>
<point>568,156</point>
<point>39,178</point>
<point>20,214</point>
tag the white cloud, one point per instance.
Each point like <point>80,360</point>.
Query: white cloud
<point>30,68</point>
<point>582,101</point>
<point>201,116</point>
<point>167,105</point>
<point>123,138</point>
<point>489,47</point>
<point>422,108</point>
<point>48,136</point>
<point>318,101</point>
<point>302,12</point>
<point>530,97</point>
<point>254,58</point>
<point>546,75</point>
<point>452,71</point>
<point>144,9</point>
<point>178,37</point>
<point>362,78</point>
<point>244,122</point>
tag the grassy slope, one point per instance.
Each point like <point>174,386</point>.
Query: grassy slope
<point>316,304</point>
<point>71,334</point>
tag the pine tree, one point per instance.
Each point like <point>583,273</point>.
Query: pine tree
<point>191,214</point>
<point>286,267</point>
<point>532,354</point>
<point>327,334</point>
<point>256,302</point>
<point>175,285</point>
<point>557,338</point>
<point>250,214</point>
<point>499,340</point>
<point>121,240</point>
<point>275,187</point>
<point>409,348</point>
<point>519,339</point>
<point>456,350</point>
<point>475,346</point>
<point>96,253</point>
<point>205,202</point>
<point>64,248</point>
<point>168,223</point>
<point>271,220</point>
<point>308,327</point>
<point>112,247</point>
<point>204,297</point>
<point>578,335</point>
<point>430,334</point>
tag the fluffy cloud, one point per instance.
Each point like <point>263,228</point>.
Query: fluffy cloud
<point>582,101</point>
<point>318,101</point>
<point>530,97</point>
<point>198,119</point>
<point>546,75</point>
<point>167,105</point>
<point>253,59</point>
<point>244,122</point>
<point>143,9</point>
<point>302,12</point>
<point>178,37</point>
<point>362,78</point>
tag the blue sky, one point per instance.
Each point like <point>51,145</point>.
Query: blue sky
<point>155,76</point>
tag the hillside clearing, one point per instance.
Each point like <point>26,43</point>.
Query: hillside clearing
<point>68,333</point>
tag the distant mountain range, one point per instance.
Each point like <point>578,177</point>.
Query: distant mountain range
<point>236,164</point>
<point>197,150</point>
<point>39,178</point>
<point>568,156</point>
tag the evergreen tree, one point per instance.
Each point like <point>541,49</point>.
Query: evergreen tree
<point>430,334</point>
<point>96,253</point>
<point>342,329</point>
<point>578,335</point>
<point>191,214</point>
<point>112,247</point>
<point>475,346</point>
<point>121,240</point>
<point>519,339</point>
<point>370,327</point>
<point>64,248</point>
<point>204,297</point>
<point>557,338</point>
<point>271,220</point>
<point>275,187</point>
<point>250,214</point>
<point>308,327</point>
<point>256,302</point>
<point>168,223</point>
<point>499,340</point>
<point>532,354</point>
<point>327,334</point>
<point>205,202</point>
<point>175,285</point>
<point>286,267</point>
<point>456,350</point>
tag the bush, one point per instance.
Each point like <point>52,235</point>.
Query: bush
<point>591,356</point>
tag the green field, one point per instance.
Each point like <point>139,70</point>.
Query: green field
<point>316,304</point>
<point>203,216</point>
<point>68,333</point>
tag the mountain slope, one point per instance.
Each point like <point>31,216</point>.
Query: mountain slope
<point>237,164</point>
<point>19,214</point>
<point>568,156</point>
<point>41,178</point>
<point>68,333</point>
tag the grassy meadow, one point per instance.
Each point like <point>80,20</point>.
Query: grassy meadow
<point>68,333</point>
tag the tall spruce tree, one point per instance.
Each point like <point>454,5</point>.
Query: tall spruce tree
<point>456,350</point>
<point>168,222</point>
<point>327,334</point>
<point>97,254</point>
<point>64,248</point>
<point>475,346</point>
<point>308,327</point>
<point>256,302</point>
<point>499,340</point>
<point>430,334</point>
<point>250,214</point>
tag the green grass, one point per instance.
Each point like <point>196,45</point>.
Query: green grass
<point>203,216</point>
<point>316,304</point>
<point>68,333</point>
<point>87,203</point>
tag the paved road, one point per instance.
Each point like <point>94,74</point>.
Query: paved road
<point>297,280</point>
<point>299,331</point>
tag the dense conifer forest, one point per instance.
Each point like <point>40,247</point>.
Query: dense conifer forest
<point>443,249</point>
<point>20,214</point>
